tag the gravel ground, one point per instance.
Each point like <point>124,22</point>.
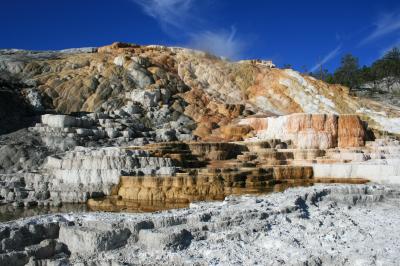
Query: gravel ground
<point>319,225</point>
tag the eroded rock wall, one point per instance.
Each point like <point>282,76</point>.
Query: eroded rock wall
<point>96,171</point>
<point>351,131</point>
<point>311,131</point>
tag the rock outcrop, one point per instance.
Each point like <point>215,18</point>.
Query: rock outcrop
<point>351,131</point>
<point>86,173</point>
<point>311,131</point>
<point>15,110</point>
<point>378,161</point>
<point>385,90</point>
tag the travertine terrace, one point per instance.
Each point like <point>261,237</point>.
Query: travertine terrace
<point>128,127</point>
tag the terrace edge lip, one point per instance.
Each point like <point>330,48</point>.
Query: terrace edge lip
<point>307,214</point>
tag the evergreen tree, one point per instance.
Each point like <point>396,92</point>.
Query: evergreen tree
<point>351,75</point>
<point>388,65</point>
<point>348,72</point>
<point>322,74</point>
<point>366,74</point>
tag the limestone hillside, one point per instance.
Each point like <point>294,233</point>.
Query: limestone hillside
<point>206,95</point>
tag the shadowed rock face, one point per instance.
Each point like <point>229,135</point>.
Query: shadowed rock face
<point>15,112</point>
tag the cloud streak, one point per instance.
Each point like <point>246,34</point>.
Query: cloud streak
<point>332,54</point>
<point>169,13</point>
<point>222,43</point>
<point>386,24</point>
<point>180,16</point>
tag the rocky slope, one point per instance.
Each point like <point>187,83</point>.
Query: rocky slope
<point>124,125</point>
<point>384,90</point>
<point>164,85</point>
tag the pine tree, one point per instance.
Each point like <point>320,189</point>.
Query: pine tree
<point>388,65</point>
<point>348,72</point>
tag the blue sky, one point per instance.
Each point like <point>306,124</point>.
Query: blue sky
<point>300,33</point>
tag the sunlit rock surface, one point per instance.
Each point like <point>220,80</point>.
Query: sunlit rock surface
<point>146,128</point>
<point>315,225</point>
<point>204,88</point>
<point>311,131</point>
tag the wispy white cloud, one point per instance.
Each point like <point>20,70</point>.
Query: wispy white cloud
<point>386,24</point>
<point>180,15</point>
<point>169,13</point>
<point>332,54</point>
<point>222,43</point>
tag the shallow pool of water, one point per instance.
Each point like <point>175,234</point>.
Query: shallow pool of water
<point>118,204</point>
<point>8,212</point>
